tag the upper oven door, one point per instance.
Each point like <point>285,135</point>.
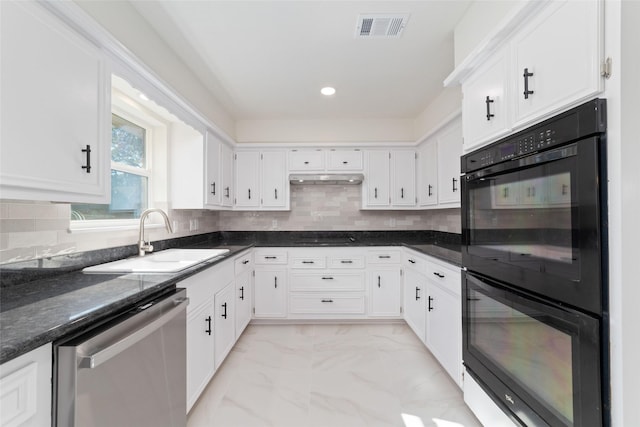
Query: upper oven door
<point>534,223</point>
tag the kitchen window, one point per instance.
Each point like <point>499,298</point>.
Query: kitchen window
<point>138,174</point>
<point>130,175</point>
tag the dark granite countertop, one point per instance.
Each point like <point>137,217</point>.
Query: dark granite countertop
<point>45,300</point>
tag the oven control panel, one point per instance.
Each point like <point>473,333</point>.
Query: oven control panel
<point>562,129</point>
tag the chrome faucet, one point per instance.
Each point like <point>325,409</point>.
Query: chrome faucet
<point>144,247</point>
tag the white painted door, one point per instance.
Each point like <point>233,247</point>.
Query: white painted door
<point>247,168</point>
<point>377,179</point>
<point>485,100</point>
<point>557,59</point>
<point>224,324</point>
<point>227,175</point>
<point>385,292</point>
<point>200,349</point>
<point>274,192</point>
<point>444,329</point>
<point>213,171</point>
<point>449,152</point>
<point>243,302</point>
<point>415,294</point>
<point>428,173</point>
<point>403,178</point>
<point>55,110</point>
<point>270,293</point>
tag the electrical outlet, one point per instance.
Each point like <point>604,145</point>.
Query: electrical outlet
<point>392,222</point>
<point>174,225</point>
<point>274,223</point>
<point>193,224</point>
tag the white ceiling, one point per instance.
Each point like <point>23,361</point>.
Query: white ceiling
<point>268,59</point>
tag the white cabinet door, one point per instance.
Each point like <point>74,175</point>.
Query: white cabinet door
<point>415,294</point>
<point>449,152</point>
<point>557,59</point>
<point>25,389</point>
<point>213,171</point>
<point>344,160</point>
<point>385,292</point>
<point>227,176</point>
<point>428,173</point>
<point>224,323</point>
<point>274,181</point>
<point>403,178</point>
<point>485,100</point>
<point>243,301</point>
<point>200,349</point>
<point>444,329</point>
<point>270,292</point>
<point>306,160</point>
<point>55,110</point>
<point>376,183</point>
<point>247,168</point>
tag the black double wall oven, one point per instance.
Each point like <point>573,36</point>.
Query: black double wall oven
<point>535,270</point>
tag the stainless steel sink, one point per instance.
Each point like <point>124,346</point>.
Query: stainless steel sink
<point>167,261</point>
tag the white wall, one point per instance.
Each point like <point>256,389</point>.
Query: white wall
<point>481,17</point>
<point>125,23</point>
<point>347,130</point>
<point>446,104</point>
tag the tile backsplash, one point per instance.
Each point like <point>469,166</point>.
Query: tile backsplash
<point>337,207</point>
<point>31,230</point>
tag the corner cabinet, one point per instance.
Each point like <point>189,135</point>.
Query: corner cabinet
<point>218,173</point>
<point>261,180</point>
<point>55,109</point>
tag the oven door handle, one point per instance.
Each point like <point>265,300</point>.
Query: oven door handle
<point>125,334</point>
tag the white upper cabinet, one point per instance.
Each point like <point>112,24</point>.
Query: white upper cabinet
<point>344,160</point>
<point>55,109</point>
<point>306,160</point>
<point>549,63</point>
<point>274,180</point>
<point>247,168</point>
<point>261,180</point>
<point>403,178</point>
<point>556,59</point>
<point>427,190</point>
<point>227,175</point>
<point>390,179</point>
<point>376,184</point>
<point>484,102</point>
<point>218,172</point>
<point>449,142</point>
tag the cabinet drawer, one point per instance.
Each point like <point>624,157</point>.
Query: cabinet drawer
<point>327,304</point>
<point>243,263</point>
<point>306,160</point>
<point>345,160</point>
<point>346,262</point>
<point>446,277</point>
<point>412,260</point>
<point>269,256</point>
<point>309,262</point>
<point>333,281</point>
<point>384,257</point>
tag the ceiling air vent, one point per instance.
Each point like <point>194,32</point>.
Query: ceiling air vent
<point>381,26</point>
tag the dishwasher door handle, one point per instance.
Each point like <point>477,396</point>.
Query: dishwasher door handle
<point>112,349</point>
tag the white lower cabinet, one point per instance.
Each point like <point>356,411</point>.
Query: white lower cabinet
<point>244,291</point>
<point>385,292</point>
<point>415,288</point>
<point>25,389</point>
<point>270,292</point>
<point>206,290</point>
<point>432,308</point>
<point>224,323</point>
<point>200,350</point>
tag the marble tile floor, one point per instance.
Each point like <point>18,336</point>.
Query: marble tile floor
<point>373,375</point>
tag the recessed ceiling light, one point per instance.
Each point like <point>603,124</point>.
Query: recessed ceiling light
<point>328,91</point>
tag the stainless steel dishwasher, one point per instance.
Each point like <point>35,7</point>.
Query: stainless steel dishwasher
<point>129,371</point>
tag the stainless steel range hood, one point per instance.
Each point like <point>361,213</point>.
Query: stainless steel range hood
<point>326,178</point>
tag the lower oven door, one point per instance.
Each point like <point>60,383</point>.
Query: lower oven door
<point>128,372</point>
<point>540,362</point>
